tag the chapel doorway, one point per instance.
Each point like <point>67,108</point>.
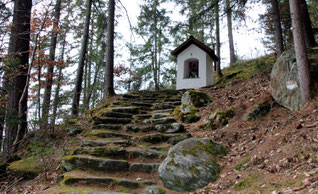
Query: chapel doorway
<point>191,68</point>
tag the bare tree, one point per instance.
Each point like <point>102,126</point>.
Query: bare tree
<point>80,69</point>
<point>16,76</point>
<point>50,70</point>
<point>217,36</point>
<point>109,68</point>
<point>278,27</point>
<point>300,49</point>
<point>307,25</point>
<point>230,30</point>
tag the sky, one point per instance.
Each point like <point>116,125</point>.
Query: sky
<point>247,34</point>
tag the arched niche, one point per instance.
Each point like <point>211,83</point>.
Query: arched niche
<point>191,68</point>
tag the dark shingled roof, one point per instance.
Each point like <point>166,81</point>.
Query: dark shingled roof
<point>192,40</point>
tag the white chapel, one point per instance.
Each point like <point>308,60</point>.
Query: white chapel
<point>194,64</point>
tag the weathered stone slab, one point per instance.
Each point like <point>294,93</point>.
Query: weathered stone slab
<point>165,120</point>
<point>109,165</point>
<point>144,167</point>
<point>170,128</point>
<point>104,143</point>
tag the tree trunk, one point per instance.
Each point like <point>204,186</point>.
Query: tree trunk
<point>109,70</point>
<point>230,31</point>
<point>58,86</point>
<point>307,25</point>
<point>278,28</point>
<point>16,78</point>
<point>300,49</point>
<point>50,70</point>
<point>79,77</point>
<point>218,43</point>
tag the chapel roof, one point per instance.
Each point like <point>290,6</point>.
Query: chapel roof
<point>192,40</point>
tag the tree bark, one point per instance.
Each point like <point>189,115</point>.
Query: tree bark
<point>300,49</point>
<point>17,76</point>
<point>109,68</point>
<point>218,43</point>
<point>307,25</point>
<point>79,77</point>
<point>230,31</point>
<point>50,70</point>
<point>278,28</point>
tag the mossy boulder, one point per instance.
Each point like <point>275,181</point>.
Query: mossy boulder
<point>218,119</point>
<point>154,190</point>
<point>191,164</point>
<point>3,167</point>
<point>187,113</point>
<point>196,98</point>
<point>285,87</point>
<point>27,168</point>
<point>258,111</point>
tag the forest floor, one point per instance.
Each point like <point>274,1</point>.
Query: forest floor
<point>274,154</point>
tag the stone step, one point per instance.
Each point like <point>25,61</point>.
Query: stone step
<point>142,117</point>
<point>160,137</point>
<point>116,114</point>
<point>110,120</point>
<point>144,153</point>
<point>137,128</point>
<point>107,134</point>
<point>89,178</point>
<point>144,167</point>
<point>108,151</point>
<point>119,152</point>
<point>163,111</point>
<point>130,96</point>
<point>87,142</point>
<point>170,128</point>
<point>165,120</point>
<point>90,192</point>
<point>161,106</point>
<point>172,100</point>
<point>126,109</point>
<point>161,115</point>
<point>108,127</point>
<point>89,162</point>
<point>141,104</point>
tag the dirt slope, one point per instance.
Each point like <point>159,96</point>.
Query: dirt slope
<point>274,154</point>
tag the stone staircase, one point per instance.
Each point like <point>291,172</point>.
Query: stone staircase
<point>124,148</point>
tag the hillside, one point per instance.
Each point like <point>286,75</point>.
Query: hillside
<point>272,154</point>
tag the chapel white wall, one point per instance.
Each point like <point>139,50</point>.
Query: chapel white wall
<point>194,52</point>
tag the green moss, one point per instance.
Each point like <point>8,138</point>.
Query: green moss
<point>229,113</point>
<point>243,70</point>
<point>71,121</point>
<point>161,191</point>
<point>28,168</point>
<point>3,167</point>
<point>258,111</point>
<point>243,165</point>
<point>199,99</point>
<point>244,184</point>
<point>218,119</point>
<point>187,113</point>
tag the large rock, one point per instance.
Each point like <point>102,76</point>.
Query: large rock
<point>196,98</point>
<point>218,119</point>
<point>187,113</point>
<point>284,79</point>
<point>258,111</point>
<point>191,164</point>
